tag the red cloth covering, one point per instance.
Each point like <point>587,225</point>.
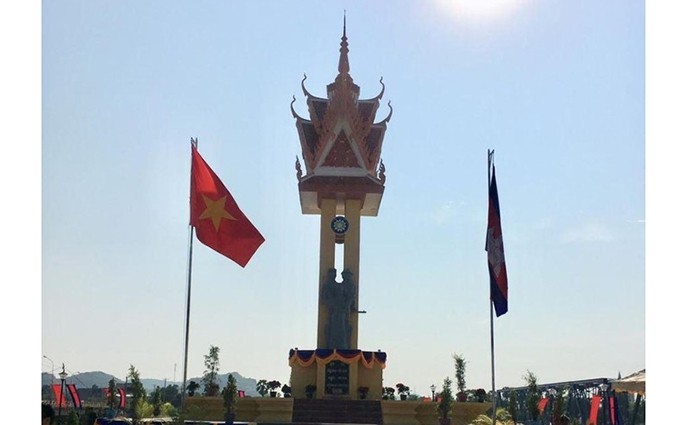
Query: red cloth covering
<point>542,404</point>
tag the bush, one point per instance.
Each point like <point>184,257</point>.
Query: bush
<point>403,389</point>
<point>446,401</point>
<point>273,385</point>
<point>502,418</point>
<point>229,395</point>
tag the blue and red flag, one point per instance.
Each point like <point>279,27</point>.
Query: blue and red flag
<point>495,255</point>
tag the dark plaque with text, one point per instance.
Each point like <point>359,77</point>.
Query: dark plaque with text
<point>337,378</point>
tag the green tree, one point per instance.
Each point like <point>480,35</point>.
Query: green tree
<point>533,396</point>
<point>229,397</point>
<point>172,395</point>
<point>72,418</point>
<point>502,418</point>
<point>512,405</point>
<point>156,401</point>
<point>111,397</point>
<point>168,410</point>
<point>212,366</point>
<point>144,410</point>
<point>388,393</point>
<point>88,417</point>
<point>460,363</point>
<point>138,392</point>
<point>558,405</point>
<point>261,387</point>
<point>446,397</point>
<point>480,395</point>
<point>192,387</point>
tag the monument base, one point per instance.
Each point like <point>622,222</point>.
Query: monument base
<point>339,374</point>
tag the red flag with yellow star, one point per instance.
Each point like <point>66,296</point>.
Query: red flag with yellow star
<point>218,221</point>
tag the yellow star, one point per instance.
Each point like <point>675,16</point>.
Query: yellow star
<point>215,211</point>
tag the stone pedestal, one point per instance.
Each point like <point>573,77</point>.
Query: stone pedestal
<point>337,373</point>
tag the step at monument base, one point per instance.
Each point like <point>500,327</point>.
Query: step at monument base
<point>319,411</point>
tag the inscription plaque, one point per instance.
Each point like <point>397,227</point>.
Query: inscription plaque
<point>337,378</point>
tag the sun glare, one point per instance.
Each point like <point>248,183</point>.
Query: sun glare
<point>480,9</point>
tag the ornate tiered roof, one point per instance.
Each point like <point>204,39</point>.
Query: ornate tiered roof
<point>341,145</point>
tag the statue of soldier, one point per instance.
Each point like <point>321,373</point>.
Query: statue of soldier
<point>339,298</point>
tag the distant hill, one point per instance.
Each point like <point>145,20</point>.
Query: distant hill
<point>83,380</point>
<point>101,380</point>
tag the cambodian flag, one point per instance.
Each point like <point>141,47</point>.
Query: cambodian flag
<point>495,254</point>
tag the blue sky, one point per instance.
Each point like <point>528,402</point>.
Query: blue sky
<point>556,88</point>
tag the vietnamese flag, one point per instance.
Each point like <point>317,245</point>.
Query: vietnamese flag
<point>495,254</point>
<point>218,221</point>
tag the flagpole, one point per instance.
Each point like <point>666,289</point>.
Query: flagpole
<point>186,329</point>
<point>489,160</point>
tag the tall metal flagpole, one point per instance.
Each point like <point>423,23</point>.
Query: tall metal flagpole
<point>489,160</point>
<point>186,330</point>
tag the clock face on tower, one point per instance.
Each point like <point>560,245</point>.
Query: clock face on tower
<point>339,225</point>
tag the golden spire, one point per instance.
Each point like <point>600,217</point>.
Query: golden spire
<point>343,64</point>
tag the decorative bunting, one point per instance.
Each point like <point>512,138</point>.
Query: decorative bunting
<point>321,356</point>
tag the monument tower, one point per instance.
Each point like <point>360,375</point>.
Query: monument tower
<point>343,181</point>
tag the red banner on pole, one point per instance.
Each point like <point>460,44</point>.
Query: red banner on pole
<point>594,408</point>
<point>75,397</point>
<point>613,410</point>
<point>121,392</point>
<point>58,396</point>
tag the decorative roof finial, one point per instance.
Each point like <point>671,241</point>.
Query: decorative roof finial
<point>343,64</point>
<point>344,22</point>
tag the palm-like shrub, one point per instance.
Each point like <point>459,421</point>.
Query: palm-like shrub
<point>503,417</point>
<point>403,390</point>
<point>261,387</point>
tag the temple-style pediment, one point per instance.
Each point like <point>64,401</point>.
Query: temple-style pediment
<point>340,132</point>
<point>341,141</point>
